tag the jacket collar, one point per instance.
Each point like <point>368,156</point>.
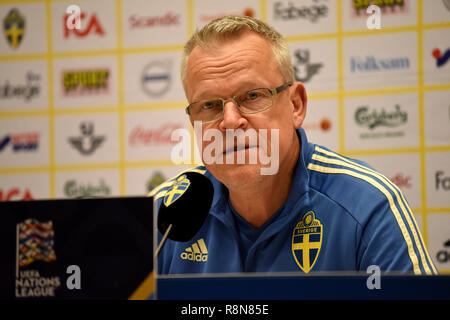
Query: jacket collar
<point>299,187</point>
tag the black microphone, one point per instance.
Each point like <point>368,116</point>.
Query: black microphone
<point>184,208</point>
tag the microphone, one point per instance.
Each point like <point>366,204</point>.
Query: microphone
<point>184,208</point>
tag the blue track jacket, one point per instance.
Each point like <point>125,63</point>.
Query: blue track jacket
<point>340,215</point>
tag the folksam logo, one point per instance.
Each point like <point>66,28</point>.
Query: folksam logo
<point>371,63</point>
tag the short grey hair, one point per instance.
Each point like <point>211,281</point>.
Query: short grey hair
<point>232,27</point>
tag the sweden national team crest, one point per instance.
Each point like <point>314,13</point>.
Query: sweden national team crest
<point>180,185</point>
<point>14,27</point>
<point>307,241</point>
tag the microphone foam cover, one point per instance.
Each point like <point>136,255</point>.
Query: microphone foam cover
<point>185,205</point>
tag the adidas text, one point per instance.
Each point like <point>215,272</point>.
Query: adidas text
<point>194,256</point>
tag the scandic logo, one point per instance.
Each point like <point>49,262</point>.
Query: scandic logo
<point>197,252</point>
<point>169,19</point>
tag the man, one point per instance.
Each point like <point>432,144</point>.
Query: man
<point>319,211</point>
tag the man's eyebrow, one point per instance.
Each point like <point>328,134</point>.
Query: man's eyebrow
<point>206,95</point>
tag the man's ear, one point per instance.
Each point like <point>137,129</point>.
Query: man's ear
<point>299,101</point>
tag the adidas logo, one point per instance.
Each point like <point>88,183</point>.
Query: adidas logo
<point>196,252</point>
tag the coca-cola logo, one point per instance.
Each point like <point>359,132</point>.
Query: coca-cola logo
<point>141,136</point>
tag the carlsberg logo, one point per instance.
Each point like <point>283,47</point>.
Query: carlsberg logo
<point>374,118</point>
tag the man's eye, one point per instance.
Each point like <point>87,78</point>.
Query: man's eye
<point>208,105</point>
<point>253,95</point>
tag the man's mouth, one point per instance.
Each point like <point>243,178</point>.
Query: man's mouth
<point>237,148</point>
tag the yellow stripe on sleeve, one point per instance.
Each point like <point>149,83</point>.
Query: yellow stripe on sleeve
<point>411,252</point>
<point>398,194</point>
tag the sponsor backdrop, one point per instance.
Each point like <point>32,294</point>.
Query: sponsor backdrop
<point>89,112</point>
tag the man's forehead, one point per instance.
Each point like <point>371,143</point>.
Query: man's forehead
<point>248,54</point>
<point>232,43</point>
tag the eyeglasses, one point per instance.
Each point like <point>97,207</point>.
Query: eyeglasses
<point>248,102</point>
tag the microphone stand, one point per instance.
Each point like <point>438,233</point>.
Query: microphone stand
<point>163,240</point>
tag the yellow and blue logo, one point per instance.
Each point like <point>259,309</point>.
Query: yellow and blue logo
<point>14,28</point>
<point>179,186</point>
<point>307,241</point>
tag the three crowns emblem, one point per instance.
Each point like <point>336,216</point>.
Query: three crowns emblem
<point>307,241</point>
<point>180,185</point>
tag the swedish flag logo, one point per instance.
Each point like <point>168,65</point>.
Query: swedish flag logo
<point>14,28</point>
<point>180,185</point>
<point>307,241</point>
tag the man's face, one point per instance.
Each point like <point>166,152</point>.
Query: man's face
<point>230,68</point>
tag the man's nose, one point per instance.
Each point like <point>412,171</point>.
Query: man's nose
<point>232,117</point>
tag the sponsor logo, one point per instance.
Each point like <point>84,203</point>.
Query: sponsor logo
<point>87,143</point>
<point>304,70</point>
<point>155,181</point>
<point>35,242</point>
<point>401,180</point>
<point>370,64</point>
<point>306,241</point>
<point>91,22</point>
<point>156,78</point>
<point>73,189</point>
<point>443,256</point>
<point>374,118</point>
<point>14,27</point>
<point>26,91</point>
<point>441,59</point>
<point>324,125</point>
<point>442,182</point>
<point>176,190</point>
<point>27,141</point>
<point>386,6</point>
<point>290,11</point>
<point>140,136</point>
<point>205,18</point>
<point>15,194</point>
<point>196,252</point>
<point>169,19</point>
<point>85,82</point>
